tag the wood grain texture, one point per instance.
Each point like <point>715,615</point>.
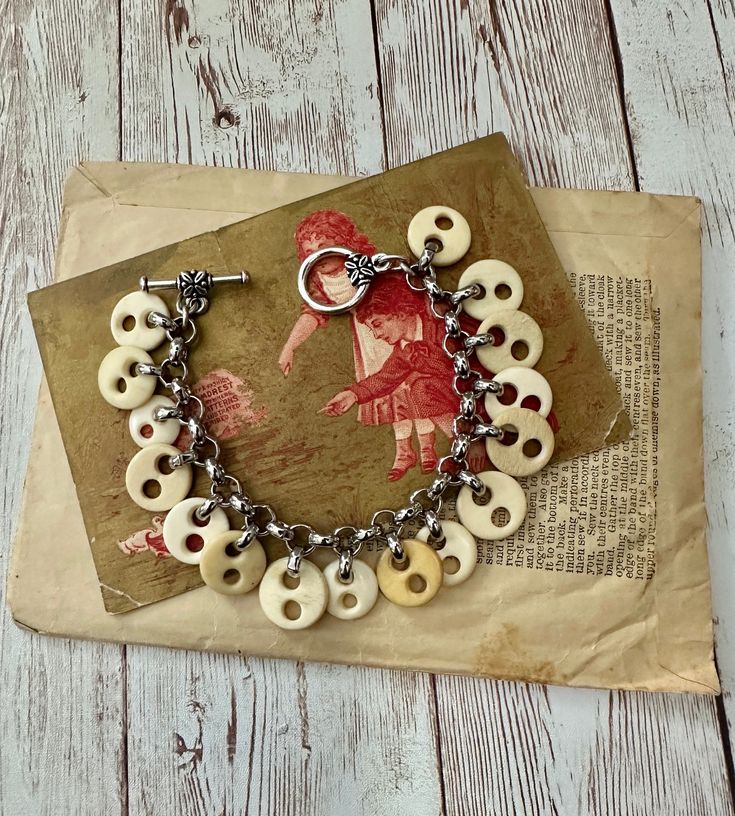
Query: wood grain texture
<point>296,86</point>
<point>547,74</point>
<point>279,86</point>
<point>263,736</point>
<point>541,71</point>
<point>61,722</point>
<point>645,754</point>
<point>679,79</point>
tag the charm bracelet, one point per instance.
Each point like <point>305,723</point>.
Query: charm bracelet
<point>293,592</point>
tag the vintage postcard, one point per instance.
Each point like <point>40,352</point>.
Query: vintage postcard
<point>274,374</point>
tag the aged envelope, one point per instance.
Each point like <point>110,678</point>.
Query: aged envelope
<point>540,623</point>
<point>264,390</point>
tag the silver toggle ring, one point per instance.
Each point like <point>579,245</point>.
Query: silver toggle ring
<point>328,308</point>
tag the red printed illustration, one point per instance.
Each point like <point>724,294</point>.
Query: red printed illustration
<point>228,403</point>
<point>402,375</point>
<point>150,539</point>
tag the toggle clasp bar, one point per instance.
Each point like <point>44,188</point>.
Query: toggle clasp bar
<point>147,285</point>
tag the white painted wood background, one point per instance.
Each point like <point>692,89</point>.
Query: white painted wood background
<point>626,94</point>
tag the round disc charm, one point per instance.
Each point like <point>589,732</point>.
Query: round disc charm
<point>228,570</point>
<point>147,430</point>
<point>503,497</point>
<point>416,580</point>
<point>152,483</point>
<point>454,238</point>
<point>530,451</point>
<point>502,288</point>
<point>129,321</point>
<point>293,603</point>
<point>353,600</point>
<point>185,536</point>
<point>520,332</point>
<point>118,382</point>
<point>459,553</point>
<point>527,384</point>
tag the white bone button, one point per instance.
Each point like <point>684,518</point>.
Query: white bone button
<point>455,240</point>
<point>293,603</point>
<point>148,473</point>
<point>503,497</point>
<point>459,553</point>
<point>118,383</point>
<point>129,321</point>
<point>414,581</point>
<point>496,278</point>
<point>527,384</point>
<point>519,330</point>
<point>147,430</point>
<point>530,451</point>
<point>353,600</point>
<point>185,536</point>
<point>228,570</point>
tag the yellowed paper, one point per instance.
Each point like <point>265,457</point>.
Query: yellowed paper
<point>527,623</point>
<point>265,368</point>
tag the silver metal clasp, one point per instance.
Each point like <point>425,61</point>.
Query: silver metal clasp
<point>148,285</point>
<point>353,261</point>
<point>361,270</point>
<point>193,286</point>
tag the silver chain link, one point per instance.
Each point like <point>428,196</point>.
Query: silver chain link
<point>260,520</point>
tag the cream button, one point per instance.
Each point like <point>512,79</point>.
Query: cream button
<point>483,516</point>
<point>129,321</point>
<point>527,384</point>
<point>415,580</point>
<point>455,240</point>
<point>145,429</point>
<point>501,284</point>
<point>293,603</point>
<point>230,571</point>
<point>185,536</point>
<point>530,451</point>
<point>152,483</point>
<point>355,599</point>
<point>118,382</point>
<point>458,554</point>
<point>519,332</point>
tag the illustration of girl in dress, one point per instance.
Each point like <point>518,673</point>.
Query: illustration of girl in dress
<point>402,376</point>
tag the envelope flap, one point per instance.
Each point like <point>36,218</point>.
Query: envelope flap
<point>616,213</point>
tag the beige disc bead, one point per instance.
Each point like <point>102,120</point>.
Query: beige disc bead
<point>297,607</point>
<point>530,451</point>
<point>527,383</point>
<point>185,537</point>
<point>129,321</point>
<point>146,467</point>
<point>503,494</point>
<point>494,277</point>
<point>459,552</point>
<point>230,571</point>
<point>353,600</point>
<point>146,430</point>
<point>416,580</point>
<point>518,329</point>
<point>455,240</point>
<point>118,383</point>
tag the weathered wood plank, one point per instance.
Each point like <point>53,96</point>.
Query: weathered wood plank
<point>679,78</point>
<point>225,735</point>
<point>278,86</point>
<point>215,733</point>
<point>63,712</point>
<point>541,72</point>
<point>546,74</point>
<point>518,749</point>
